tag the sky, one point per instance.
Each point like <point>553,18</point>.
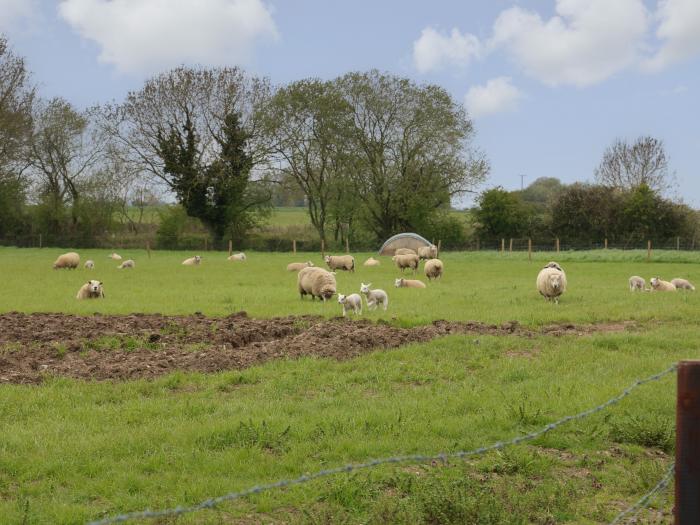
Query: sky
<point>549,84</point>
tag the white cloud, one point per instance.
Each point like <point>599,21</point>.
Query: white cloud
<point>143,35</point>
<point>14,11</point>
<point>585,43</point>
<point>679,30</point>
<point>498,95</point>
<point>434,51</point>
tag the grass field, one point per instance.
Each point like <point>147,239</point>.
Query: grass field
<point>71,451</point>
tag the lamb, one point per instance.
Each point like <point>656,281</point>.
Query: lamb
<point>682,284</point>
<point>406,261</point>
<point>551,283</point>
<point>91,290</point>
<point>409,283</point>
<point>433,269</point>
<point>296,266</point>
<point>658,285</point>
<point>351,302</point>
<point>127,264</point>
<point>374,297</point>
<point>404,251</point>
<point>90,264</point>
<point>192,261</point>
<point>67,260</point>
<point>115,256</point>
<point>637,283</point>
<point>371,262</point>
<point>237,257</point>
<point>428,252</point>
<point>340,262</point>
<point>316,282</point>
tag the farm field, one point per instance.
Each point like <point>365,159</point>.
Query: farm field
<point>104,415</point>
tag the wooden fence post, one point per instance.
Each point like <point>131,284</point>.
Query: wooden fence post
<point>648,250</point>
<point>687,490</point>
<point>148,248</point>
<point>294,246</point>
<point>477,244</point>
<point>230,247</point>
<point>347,245</point>
<point>678,243</point>
<point>41,239</point>
<point>606,243</point>
<point>557,244</point>
<point>503,245</point>
<point>206,244</point>
<point>510,245</point>
<point>323,248</point>
<point>438,247</point>
<point>529,249</point>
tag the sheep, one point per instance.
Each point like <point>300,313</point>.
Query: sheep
<point>340,262</point>
<point>127,264</point>
<point>237,257</point>
<point>374,297</point>
<point>115,256</point>
<point>406,261</point>
<point>69,260</point>
<point>371,262</point>
<point>428,252</point>
<point>637,283</point>
<point>351,302</point>
<point>409,283</point>
<point>90,264</point>
<point>658,285</point>
<point>192,261</point>
<point>682,284</point>
<point>405,251</point>
<point>552,264</point>
<point>433,269</point>
<point>91,290</point>
<point>316,282</point>
<point>296,266</point>
<point>551,283</point>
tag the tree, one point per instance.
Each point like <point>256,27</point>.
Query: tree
<point>500,214</point>
<point>627,167</point>
<point>587,213</point>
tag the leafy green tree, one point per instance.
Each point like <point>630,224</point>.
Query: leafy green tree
<point>500,214</point>
<point>587,213</point>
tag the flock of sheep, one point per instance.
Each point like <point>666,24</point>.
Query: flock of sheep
<point>659,285</point>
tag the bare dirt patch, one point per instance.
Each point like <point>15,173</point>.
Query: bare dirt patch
<point>102,347</point>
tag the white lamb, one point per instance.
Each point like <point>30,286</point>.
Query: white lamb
<point>237,257</point>
<point>659,285</point>
<point>374,297</point>
<point>129,263</point>
<point>192,261</point>
<point>637,283</point>
<point>91,290</point>
<point>682,284</point>
<point>409,283</point>
<point>90,264</point>
<point>351,302</point>
<point>551,283</point>
<point>115,256</point>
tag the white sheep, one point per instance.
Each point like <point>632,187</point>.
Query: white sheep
<point>91,290</point>
<point>637,283</point>
<point>551,283</point>
<point>90,264</point>
<point>192,261</point>
<point>371,262</point>
<point>433,269</point>
<point>129,263</point>
<point>409,283</point>
<point>69,260</point>
<point>682,284</point>
<point>296,266</point>
<point>428,252</point>
<point>115,256</point>
<point>237,257</point>
<point>405,251</point>
<point>553,264</point>
<point>659,285</point>
<point>374,297</point>
<point>340,262</point>
<point>351,302</point>
<point>406,261</point>
<point>316,282</point>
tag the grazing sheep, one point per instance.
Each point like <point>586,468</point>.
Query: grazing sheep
<point>296,266</point>
<point>127,264</point>
<point>637,283</point>
<point>658,285</point>
<point>115,256</point>
<point>409,283</point>
<point>428,252</point>
<point>237,257</point>
<point>374,297</point>
<point>340,262</point>
<point>371,262</point>
<point>682,284</point>
<point>433,269</point>
<point>67,260</point>
<point>91,290</point>
<point>351,302</point>
<point>90,264</point>
<point>405,251</point>
<point>316,282</point>
<point>551,283</point>
<point>192,261</point>
<point>406,261</point>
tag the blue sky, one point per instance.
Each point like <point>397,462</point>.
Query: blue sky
<point>549,83</point>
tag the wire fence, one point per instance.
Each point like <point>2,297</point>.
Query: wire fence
<point>413,458</point>
<point>632,511</point>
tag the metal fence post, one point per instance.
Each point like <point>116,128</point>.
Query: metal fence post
<point>687,492</point>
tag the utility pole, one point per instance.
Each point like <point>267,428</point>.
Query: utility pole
<point>522,178</point>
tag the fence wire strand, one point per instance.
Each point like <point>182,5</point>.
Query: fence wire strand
<point>413,458</point>
<point>658,488</point>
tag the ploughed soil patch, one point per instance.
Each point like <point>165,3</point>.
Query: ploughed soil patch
<point>101,347</point>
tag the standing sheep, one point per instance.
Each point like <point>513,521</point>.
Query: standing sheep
<point>67,260</point>
<point>637,283</point>
<point>90,264</point>
<point>371,262</point>
<point>409,283</point>
<point>658,285</point>
<point>428,252</point>
<point>682,284</point>
<point>351,302</point>
<point>316,282</point>
<point>551,283</point>
<point>129,263</point>
<point>340,262</point>
<point>374,297</point>
<point>405,251</point>
<point>115,256</point>
<point>91,290</point>
<point>237,257</point>
<point>296,266</point>
<point>433,269</point>
<point>192,261</point>
<point>406,261</point>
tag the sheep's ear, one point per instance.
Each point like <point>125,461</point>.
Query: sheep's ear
<point>100,283</point>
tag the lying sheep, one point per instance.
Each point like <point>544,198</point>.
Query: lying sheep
<point>129,263</point>
<point>637,283</point>
<point>115,256</point>
<point>682,284</point>
<point>405,251</point>
<point>296,266</point>
<point>374,297</point>
<point>406,261</point>
<point>316,282</point>
<point>69,260</point>
<point>90,264</point>
<point>428,252</point>
<point>91,290</point>
<point>371,262</point>
<point>551,283</point>
<point>351,302</point>
<point>433,269</point>
<point>237,257</point>
<point>340,262</point>
<point>659,285</point>
<point>409,283</point>
<point>192,261</point>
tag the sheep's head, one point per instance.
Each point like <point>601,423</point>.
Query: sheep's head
<point>555,281</point>
<point>197,259</point>
<point>327,291</point>
<point>327,258</point>
<point>309,263</point>
<point>398,283</point>
<point>364,288</point>
<point>552,264</point>
<point>654,281</point>
<point>94,286</point>
<point>341,298</point>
